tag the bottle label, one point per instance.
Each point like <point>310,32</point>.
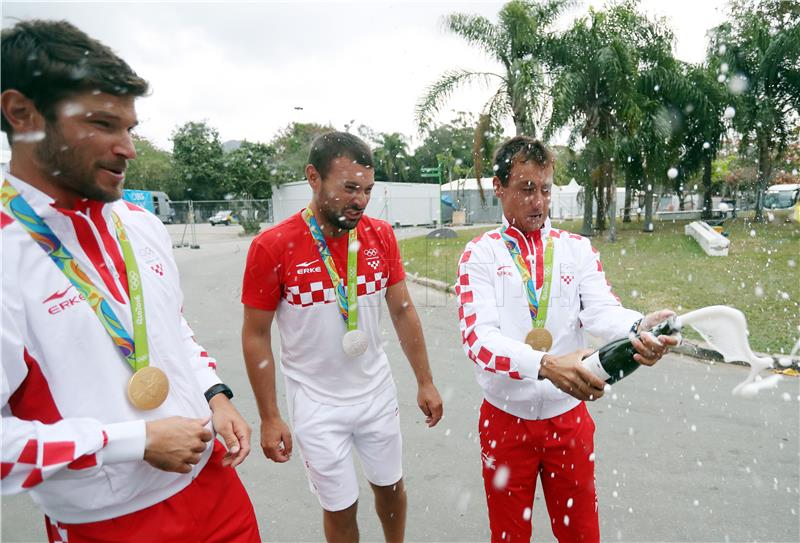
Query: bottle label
<point>592,363</point>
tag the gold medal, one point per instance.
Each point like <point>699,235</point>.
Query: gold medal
<point>148,388</point>
<point>540,339</point>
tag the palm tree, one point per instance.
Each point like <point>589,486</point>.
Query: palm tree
<point>594,94</point>
<point>604,62</point>
<point>519,42</point>
<point>704,127</point>
<point>392,156</point>
<point>758,51</point>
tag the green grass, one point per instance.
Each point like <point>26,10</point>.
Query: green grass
<point>760,275</point>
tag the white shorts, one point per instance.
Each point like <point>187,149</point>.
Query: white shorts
<point>326,435</point>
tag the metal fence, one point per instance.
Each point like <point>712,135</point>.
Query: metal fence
<point>203,210</point>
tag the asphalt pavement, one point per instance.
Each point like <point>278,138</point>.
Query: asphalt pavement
<point>678,457</point>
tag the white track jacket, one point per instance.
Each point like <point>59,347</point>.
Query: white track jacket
<point>494,316</point>
<point>70,436</point>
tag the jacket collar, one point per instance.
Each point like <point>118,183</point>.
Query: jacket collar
<point>529,237</point>
<point>43,204</point>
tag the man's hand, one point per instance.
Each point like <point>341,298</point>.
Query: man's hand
<point>430,403</point>
<point>650,349</point>
<point>175,443</point>
<point>568,374</point>
<point>276,439</point>
<point>233,429</point>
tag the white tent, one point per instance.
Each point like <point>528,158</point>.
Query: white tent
<point>564,201</point>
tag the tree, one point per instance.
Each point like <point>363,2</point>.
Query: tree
<point>756,52</point>
<point>518,42</point>
<point>594,92</point>
<point>251,170</point>
<point>606,90</point>
<point>291,146</point>
<point>392,161</point>
<point>198,161</point>
<point>152,169</point>
<point>704,126</point>
<point>451,145</point>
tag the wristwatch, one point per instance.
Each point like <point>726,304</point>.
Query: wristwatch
<point>219,388</point>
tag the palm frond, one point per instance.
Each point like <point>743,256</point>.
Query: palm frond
<point>477,30</point>
<point>439,92</point>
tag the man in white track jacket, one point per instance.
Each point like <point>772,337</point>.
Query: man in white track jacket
<point>90,294</point>
<point>526,294</point>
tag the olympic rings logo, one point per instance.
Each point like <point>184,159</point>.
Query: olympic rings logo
<point>370,253</point>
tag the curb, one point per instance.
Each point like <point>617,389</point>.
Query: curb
<point>432,283</point>
<point>688,348</point>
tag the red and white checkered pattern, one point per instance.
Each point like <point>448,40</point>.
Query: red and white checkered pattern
<point>317,292</point>
<point>39,458</point>
<point>567,278</point>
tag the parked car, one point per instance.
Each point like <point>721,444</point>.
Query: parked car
<point>222,217</point>
<point>782,200</point>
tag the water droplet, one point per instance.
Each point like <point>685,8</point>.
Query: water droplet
<point>738,84</point>
<point>500,479</point>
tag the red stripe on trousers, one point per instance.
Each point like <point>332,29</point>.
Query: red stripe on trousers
<point>214,508</point>
<point>559,450</point>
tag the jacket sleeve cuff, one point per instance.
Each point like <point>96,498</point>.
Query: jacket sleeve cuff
<point>207,378</point>
<point>529,363</point>
<point>126,441</point>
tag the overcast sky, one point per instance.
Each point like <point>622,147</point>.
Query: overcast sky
<point>246,68</point>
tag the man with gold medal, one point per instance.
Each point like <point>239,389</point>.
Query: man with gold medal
<point>109,404</point>
<point>526,293</point>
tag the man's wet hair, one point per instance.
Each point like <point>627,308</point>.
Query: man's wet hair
<point>332,145</point>
<point>519,149</point>
<point>49,61</point>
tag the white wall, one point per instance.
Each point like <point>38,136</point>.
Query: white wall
<point>404,203</point>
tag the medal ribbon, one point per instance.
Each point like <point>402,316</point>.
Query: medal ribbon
<point>134,350</point>
<point>346,297</point>
<point>537,307</point>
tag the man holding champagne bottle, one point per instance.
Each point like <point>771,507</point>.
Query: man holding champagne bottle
<point>526,294</point>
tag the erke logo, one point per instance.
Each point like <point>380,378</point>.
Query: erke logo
<point>303,267</point>
<point>504,271</point>
<point>58,307</point>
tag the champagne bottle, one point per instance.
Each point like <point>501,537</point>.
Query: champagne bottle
<point>614,361</point>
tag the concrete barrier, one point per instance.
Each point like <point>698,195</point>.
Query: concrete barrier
<point>711,241</point>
